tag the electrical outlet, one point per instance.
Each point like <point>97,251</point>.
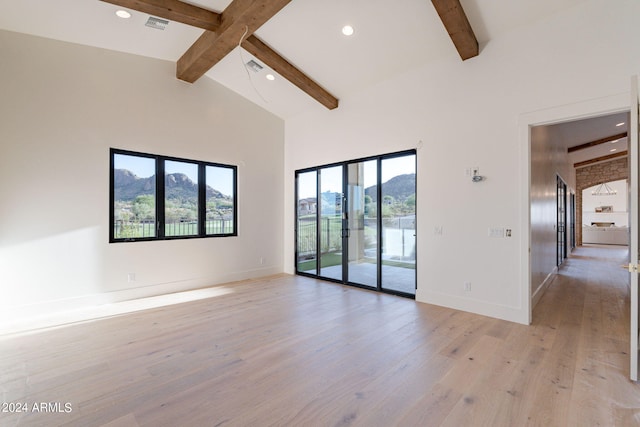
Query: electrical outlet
<point>261,261</point>
<point>131,277</point>
<point>467,286</point>
<point>437,230</point>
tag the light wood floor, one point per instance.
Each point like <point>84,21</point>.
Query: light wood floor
<point>291,351</point>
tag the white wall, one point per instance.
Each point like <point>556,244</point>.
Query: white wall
<point>619,202</point>
<point>61,107</point>
<point>470,114</point>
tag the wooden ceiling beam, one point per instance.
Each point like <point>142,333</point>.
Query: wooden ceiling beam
<point>600,159</point>
<point>596,142</point>
<point>240,19</point>
<point>457,25</point>
<point>174,10</point>
<point>263,52</point>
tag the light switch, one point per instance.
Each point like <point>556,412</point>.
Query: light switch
<point>496,232</point>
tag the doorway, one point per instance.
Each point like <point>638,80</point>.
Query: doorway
<point>572,221</point>
<point>561,221</point>
<point>356,223</point>
<point>560,153</point>
<point>568,149</point>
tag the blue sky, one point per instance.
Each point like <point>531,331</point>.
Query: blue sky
<point>141,166</point>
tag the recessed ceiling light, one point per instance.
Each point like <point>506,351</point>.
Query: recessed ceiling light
<point>347,30</point>
<point>613,149</point>
<point>123,14</point>
<point>620,124</point>
<point>270,77</point>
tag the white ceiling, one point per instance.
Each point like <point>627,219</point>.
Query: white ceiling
<point>390,37</point>
<point>580,132</point>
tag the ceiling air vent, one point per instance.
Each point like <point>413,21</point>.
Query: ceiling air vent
<point>254,66</point>
<point>157,23</point>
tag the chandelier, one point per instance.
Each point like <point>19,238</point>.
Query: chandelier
<point>604,190</point>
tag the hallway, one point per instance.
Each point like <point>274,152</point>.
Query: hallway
<point>587,308</point>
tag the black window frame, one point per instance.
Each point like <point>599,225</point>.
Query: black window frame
<point>380,286</point>
<point>160,197</point>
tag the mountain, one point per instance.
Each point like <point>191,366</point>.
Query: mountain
<point>399,187</point>
<point>178,186</point>
<point>127,186</point>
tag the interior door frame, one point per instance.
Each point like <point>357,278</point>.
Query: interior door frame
<point>572,221</point>
<point>561,220</point>
<point>555,114</point>
<point>634,240</point>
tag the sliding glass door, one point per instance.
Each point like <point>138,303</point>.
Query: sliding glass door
<point>319,232</point>
<point>358,219</point>
<point>307,222</point>
<point>330,230</point>
<point>398,195</point>
<point>362,190</point>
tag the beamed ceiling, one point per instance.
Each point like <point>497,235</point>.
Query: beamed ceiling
<point>298,41</point>
<point>235,25</point>
<point>596,139</point>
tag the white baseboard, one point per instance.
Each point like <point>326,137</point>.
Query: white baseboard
<point>44,314</point>
<point>539,291</point>
<point>512,314</point>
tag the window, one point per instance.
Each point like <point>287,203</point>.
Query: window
<point>180,198</point>
<point>220,200</point>
<point>356,222</point>
<point>156,197</point>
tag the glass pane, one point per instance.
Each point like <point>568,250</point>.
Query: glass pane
<point>331,222</point>
<point>220,200</point>
<point>180,198</point>
<point>307,222</point>
<point>362,224</point>
<point>134,197</point>
<point>398,209</point>
<point>561,251</point>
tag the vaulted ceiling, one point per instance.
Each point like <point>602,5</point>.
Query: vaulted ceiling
<point>293,40</point>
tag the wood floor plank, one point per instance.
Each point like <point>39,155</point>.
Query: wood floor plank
<point>290,351</point>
